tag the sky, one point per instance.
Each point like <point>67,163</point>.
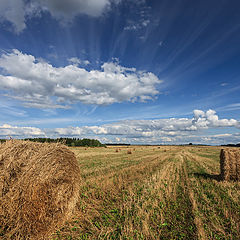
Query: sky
<point>121,71</point>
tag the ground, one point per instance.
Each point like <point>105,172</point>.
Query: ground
<point>166,192</point>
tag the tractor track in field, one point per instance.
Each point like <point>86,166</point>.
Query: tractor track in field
<point>197,219</point>
<point>170,192</point>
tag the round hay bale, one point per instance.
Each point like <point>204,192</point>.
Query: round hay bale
<point>39,187</point>
<point>230,164</point>
<point>129,151</point>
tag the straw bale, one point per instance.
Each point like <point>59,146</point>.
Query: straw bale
<point>230,164</point>
<point>39,187</point>
<point>129,151</point>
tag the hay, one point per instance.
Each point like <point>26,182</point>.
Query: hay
<point>230,164</point>
<point>129,152</point>
<point>39,187</point>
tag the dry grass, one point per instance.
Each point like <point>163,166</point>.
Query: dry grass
<point>153,194</point>
<point>39,187</point>
<point>158,194</point>
<point>230,164</point>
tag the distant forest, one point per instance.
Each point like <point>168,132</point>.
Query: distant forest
<point>71,142</point>
<point>86,142</point>
<point>231,145</point>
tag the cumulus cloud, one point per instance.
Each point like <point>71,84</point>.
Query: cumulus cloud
<point>210,119</point>
<point>170,131</point>
<point>14,131</point>
<point>174,130</point>
<point>37,83</point>
<point>16,12</point>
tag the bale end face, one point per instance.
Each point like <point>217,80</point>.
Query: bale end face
<point>39,187</point>
<point>230,164</point>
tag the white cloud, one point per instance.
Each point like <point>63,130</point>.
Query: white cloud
<point>170,127</point>
<point>145,22</point>
<point>39,84</point>
<point>174,130</point>
<point>170,131</point>
<point>86,62</point>
<point>23,132</point>
<point>210,119</point>
<point>71,8</point>
<point>117,139</point>
<point>140,16</point>
<point>13,12</point>
<point>74,60</point>
<point>16,12</point>
<point>134,26</point>
<point>77,61</point>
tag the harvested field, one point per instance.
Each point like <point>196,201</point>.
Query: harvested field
<point>169,192</point>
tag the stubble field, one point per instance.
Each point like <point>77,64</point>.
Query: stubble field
<point>167,192</point>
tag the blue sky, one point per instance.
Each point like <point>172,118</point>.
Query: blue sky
<point>121,70</point>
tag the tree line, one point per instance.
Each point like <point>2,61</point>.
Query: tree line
<point>71,142</point>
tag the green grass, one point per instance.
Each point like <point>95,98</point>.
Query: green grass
<point>153,194</point>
